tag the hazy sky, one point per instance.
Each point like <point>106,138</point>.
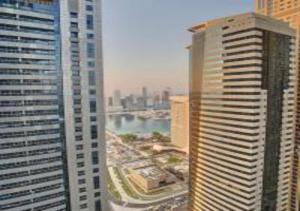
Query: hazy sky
<point>144,40</point>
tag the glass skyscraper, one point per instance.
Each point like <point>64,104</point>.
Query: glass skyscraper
<point>52,149</point>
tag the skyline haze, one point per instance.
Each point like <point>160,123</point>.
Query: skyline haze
<point>144,43</point>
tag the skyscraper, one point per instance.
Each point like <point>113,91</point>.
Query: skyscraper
<point>242,97</point>
<point>51,118</point>
<point>80,24</point>
<point>180,121</point>
<point>145,96</point>
<point>288,11</point>
<point>117,98</point>
<point>165,98</point>
<point>31,146</point>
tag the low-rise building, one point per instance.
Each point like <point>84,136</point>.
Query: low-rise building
<point>151,177</point>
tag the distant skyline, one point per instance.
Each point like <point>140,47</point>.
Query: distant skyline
<point>144,40</point>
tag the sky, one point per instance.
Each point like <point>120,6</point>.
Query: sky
<point>144,41</point>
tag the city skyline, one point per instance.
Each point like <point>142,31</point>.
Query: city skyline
<point>149,105</point>
<point>150,49</point>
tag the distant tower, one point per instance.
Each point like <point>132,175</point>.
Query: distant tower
<point>180,122</point>
<point>165,98</point>
<point>145,96</point>
<point>110,101</point>
<point>242,114</point>
<point>117,98</point>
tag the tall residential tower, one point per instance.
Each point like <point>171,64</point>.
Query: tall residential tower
<point>288,11</point>
<point>242,97</point>
<point>52,149</point>
<point>83,101</point>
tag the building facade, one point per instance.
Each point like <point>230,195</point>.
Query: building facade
<point>288,11</point>
<point>80,24</point>
<point>31,147</point>
<point>242,96</point>
<point>52,147</point>
<point>180,122</point>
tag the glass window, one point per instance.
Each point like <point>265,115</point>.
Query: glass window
<point>90,22</point>
<point>73,15</point>
<point>92,91</point>
<point>91,64</point>
<point>94,132</point>
<point>91,50</point>
<point>93,119</point>
<point>95,158</point>
<point>92,78</point>
<point>93,106</point>
<point>90,36</point>
<point>89,7</point>
<point>96,183</point>
<point>98,205</point>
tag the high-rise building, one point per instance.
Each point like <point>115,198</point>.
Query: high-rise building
<point>52,148</point>
<point>31,146</point>
<point>117,98</point>
<point>145,96</point>
<point>110,102</point>
<point>180,121</point>
<point>288,11</point>
<point>81,47</point>
<point>242,97</point>
<point>165,98</point>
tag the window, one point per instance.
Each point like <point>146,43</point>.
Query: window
<point>83,206</point>
<point>73,15</point>
<point>94,145</point>
<point>89,8</point>
<point>96,183</point>
<point>89,22</point>
<point>92,78</point>
<point>95,158</point>
<point>91,64</point>
<point>95,170</point>
<point>94,132</point>
<point>82,190</point>
<point>83,198</point>
<point>81,173</point>
<point>80,164</point>
<point>90,36</point>
<point>92,91</point>
<point>93,106</point>
<point>98,205</point>
<point>79,147</point>
<point>80,156</point>
<point>93,119</point>
<point>91,50</point>
<point>81,181</point>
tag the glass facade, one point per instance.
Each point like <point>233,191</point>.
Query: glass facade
<point>31,147</point>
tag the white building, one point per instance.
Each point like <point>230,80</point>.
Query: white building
<point>52,148</point>
<point>81,37</point>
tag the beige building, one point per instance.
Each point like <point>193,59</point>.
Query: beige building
<point>180,122</point>
<point>242,97</point>
<point>289,11</point>
<point>150,178</point>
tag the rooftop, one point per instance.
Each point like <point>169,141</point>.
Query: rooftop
<point>150,172</point>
